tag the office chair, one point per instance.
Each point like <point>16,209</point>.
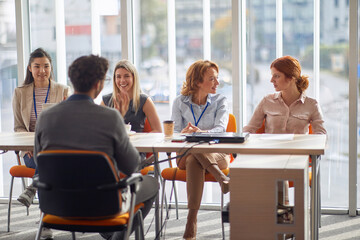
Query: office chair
<point>175,174</point>
<point>148,169</point>
<point>85,199</point>
<point>18,171</point>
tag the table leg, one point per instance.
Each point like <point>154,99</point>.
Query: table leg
<point>315,198</point>
<point>157,215</point>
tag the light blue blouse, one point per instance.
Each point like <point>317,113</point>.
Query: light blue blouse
<point>214,119</point>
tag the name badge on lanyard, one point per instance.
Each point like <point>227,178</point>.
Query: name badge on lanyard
<point>192,110</point>
<point>47,94</point>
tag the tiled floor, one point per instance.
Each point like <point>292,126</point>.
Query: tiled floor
<point>24,227</point>
<point>334,227</point>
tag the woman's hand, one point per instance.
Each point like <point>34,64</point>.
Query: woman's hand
<point>122,101</point>
<point>191,128</point>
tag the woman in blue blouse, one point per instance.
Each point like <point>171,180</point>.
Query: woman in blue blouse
<point>200,109</point>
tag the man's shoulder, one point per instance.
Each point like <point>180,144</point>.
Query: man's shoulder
<point>106,114</point>
<point>82,112</point>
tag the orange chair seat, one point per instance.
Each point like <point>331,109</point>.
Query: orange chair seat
<point>180,175</point>
<point>22,171</point>
<point>146,170</point>
<point>143,171</point>
<point>114,221</point>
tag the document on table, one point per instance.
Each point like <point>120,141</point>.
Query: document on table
<point>280,137</point>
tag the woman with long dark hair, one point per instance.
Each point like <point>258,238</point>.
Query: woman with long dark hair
<point>38,89</point>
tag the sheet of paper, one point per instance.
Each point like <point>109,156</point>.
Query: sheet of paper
<point>281,137</point>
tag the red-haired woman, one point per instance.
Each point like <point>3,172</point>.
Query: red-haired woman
<point>288,110</point>
<point>200,109</point>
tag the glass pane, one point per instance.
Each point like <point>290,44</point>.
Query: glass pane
<point>151,48</point>
<point>110,33</point>
<point>298,27</point>
<point>334,100</point>
<point>221,44</point>
<point>77,29</point>
<point>8,82</point>
<point>42,28</point>
<point>152,54</point>
<point>189,37</point>
<point>260,45</point>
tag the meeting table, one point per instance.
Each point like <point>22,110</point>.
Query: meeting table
<point>298,144</point>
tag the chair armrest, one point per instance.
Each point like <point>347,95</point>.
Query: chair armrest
<point>131,181</point>
<point>39,184</point>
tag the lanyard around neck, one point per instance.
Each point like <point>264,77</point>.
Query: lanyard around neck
<point>47,94</point>
<point>196,122</point>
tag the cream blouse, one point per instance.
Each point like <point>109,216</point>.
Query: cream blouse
<point>280,118</point>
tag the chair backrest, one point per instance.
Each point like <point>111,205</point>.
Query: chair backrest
<point>231,127</point>
<point>147,127</point>
<point>73,179</point>
<point>262,128</point>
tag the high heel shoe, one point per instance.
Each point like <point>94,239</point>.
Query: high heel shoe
<point>220,177</point>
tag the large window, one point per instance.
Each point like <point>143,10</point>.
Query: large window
<point>297,24</point>
<point>8,80</point>
<point>261,50</point>
<point>202,31</point>
<point>151,52</point>
<point>334,100</point>
<point>167,36</point>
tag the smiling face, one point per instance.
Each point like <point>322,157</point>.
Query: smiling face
<point>124,79</point>
<point>40,69</point>
<point>210,81</point>
<point>280,81</point>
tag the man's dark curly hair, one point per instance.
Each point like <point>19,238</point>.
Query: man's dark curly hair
<point>86,71</point>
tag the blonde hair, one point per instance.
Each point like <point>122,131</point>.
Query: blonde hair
<point>292,69</point>
<point>195,74</point>
<point>127,65</point>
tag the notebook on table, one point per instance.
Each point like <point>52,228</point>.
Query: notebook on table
<point>225,137</point>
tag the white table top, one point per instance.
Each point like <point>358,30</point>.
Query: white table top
<point>255,161</point>
<point>11,141</point>
<point>301,144</point>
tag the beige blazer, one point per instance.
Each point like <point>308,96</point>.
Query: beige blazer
<point>23,102</point>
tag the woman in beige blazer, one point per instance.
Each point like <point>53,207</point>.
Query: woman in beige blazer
<point>38,89</point>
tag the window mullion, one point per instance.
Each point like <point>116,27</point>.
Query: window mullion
<point>279,28</point>
<point>353,103</point>
<point>22,37</point>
